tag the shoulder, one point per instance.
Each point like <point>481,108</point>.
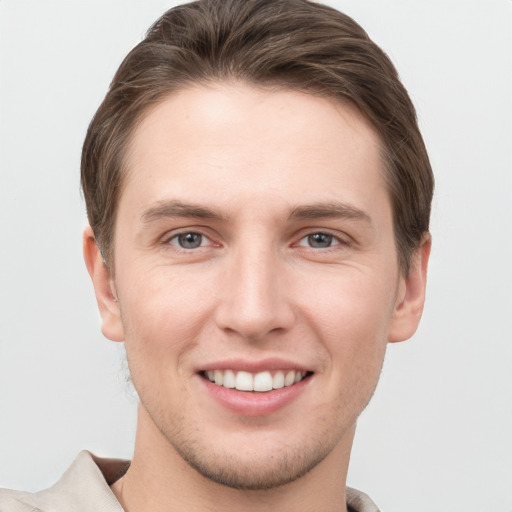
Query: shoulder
<point>358,501</point>
<point>17,501</point>
<point>84,487</point>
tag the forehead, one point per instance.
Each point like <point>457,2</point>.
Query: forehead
<point>235,142</point>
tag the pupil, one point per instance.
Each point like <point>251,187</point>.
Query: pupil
<point>190,240</point>
<point>320,240</point>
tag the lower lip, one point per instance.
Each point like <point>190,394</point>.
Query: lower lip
<point>254,403</point>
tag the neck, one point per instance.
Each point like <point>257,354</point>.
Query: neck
<point>159,480</point>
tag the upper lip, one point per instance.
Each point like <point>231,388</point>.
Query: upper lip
<point>253,366</point>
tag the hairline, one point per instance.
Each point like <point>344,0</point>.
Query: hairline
<point>272,86</point>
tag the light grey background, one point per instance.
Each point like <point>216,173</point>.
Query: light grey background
<point>438,434</point>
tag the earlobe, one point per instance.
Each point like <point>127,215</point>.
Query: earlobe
<point>411,297</point>
<point>104,288</point>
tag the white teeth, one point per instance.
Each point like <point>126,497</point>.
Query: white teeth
<point>278,380</point>
<point>290,378</point>
<point>263,381</point>
<point>229,379</point>
<point>260,382</point>
<point>244,381</point>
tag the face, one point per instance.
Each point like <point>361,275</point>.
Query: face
<point>256,279</point>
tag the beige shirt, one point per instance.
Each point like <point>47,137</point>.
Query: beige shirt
<point>85,487</point>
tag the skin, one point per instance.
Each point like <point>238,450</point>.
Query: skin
<point>272,168</point>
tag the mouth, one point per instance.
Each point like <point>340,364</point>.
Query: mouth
<point>260,382</point>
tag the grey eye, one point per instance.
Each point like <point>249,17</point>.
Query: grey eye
<point>320,240</point>
<point>188,240</point>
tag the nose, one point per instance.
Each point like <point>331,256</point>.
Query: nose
<point>254,300</point>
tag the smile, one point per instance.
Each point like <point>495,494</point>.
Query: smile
<point>259,382</point>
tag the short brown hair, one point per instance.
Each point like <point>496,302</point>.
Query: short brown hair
<point>293,44</point>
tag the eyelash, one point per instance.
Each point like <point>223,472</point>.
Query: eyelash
<point>334,241</point>
<point>176,236</point>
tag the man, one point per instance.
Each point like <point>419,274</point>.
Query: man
<point>258,195</point>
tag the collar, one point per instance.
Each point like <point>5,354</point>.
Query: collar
<point>87,482</point>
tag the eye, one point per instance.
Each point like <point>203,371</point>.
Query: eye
<point>189,240</point>
<point>319,241</point>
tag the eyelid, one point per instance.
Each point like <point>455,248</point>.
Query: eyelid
<point>335,242</point>
<point>199,230</point>
<point>338,237</point>
<point>203,243</point>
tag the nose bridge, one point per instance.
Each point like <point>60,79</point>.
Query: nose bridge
<point>254,300</point>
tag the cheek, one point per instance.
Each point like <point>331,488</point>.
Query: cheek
<point>163,313</point>
<point>356,343</point>
<point>352,315</point>
<point>352,305</point>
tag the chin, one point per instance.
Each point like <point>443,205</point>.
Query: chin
<point>253,470</point>
<point>258,460</point>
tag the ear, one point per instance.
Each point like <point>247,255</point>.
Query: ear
<point>104,288</point>
<point>411,295</point>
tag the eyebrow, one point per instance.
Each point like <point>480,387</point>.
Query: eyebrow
<point>174,208</point>
<point>328,210</point>
<point>169,209</point>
